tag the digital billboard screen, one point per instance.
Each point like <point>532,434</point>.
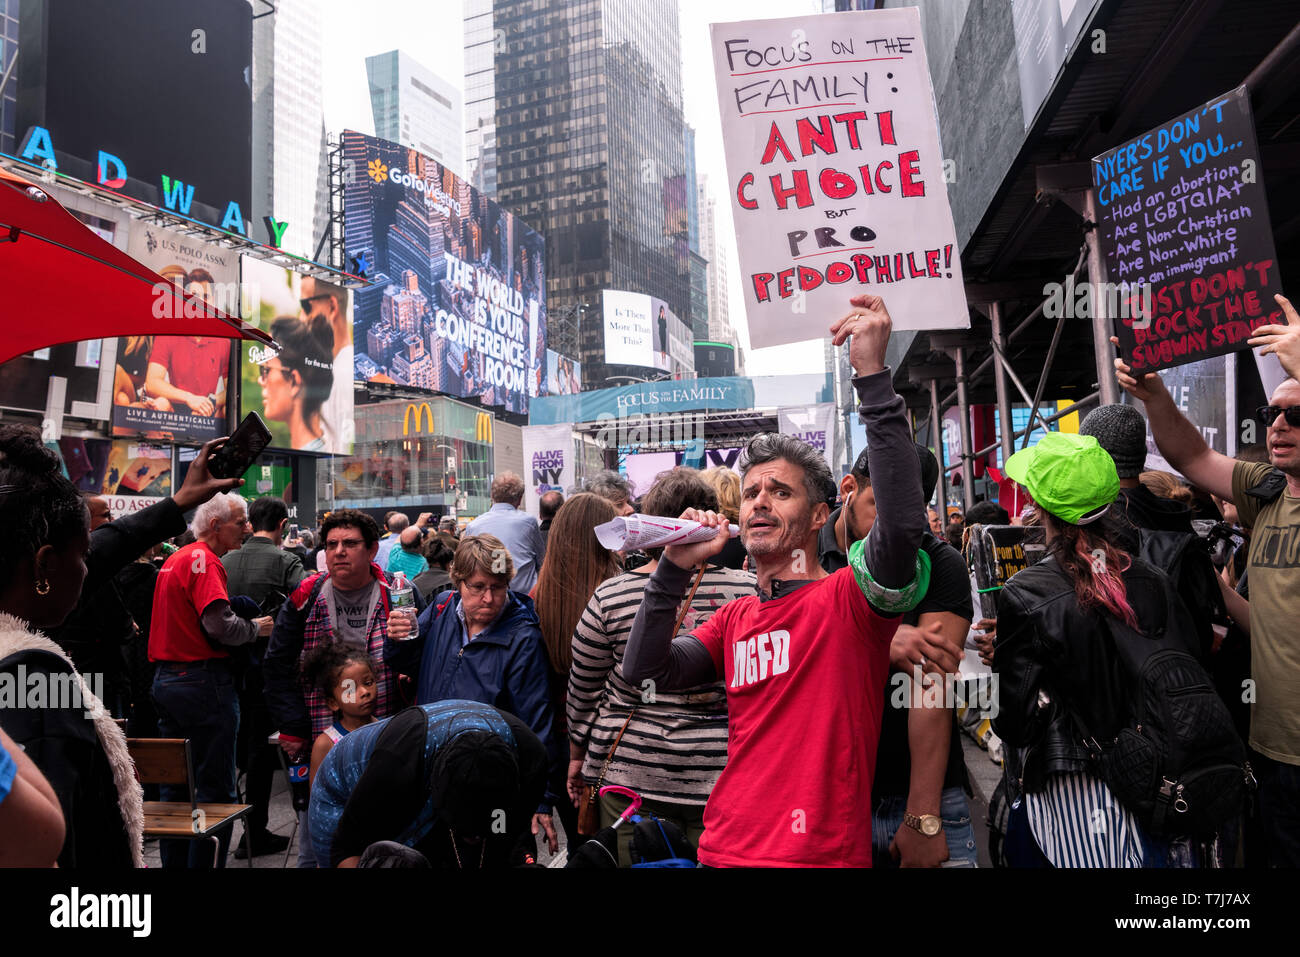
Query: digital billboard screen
<point>641,330</point>
<point>715,359</point>
<point>303,391</point>
<point>150,98</point>
<point>563,375</point>
<point>458,301</point>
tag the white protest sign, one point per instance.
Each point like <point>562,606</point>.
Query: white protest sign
<point>548,460</point>
<point>837,181</point>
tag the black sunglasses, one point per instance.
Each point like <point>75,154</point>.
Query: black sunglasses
<point>306,303</point>
<point>1268,415</point>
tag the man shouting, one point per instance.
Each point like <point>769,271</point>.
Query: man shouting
<point>804,662</point>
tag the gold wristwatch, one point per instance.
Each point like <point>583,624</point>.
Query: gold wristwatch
<point>927,824</point>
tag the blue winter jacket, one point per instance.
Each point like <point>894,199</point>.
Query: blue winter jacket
<point>504,666</point>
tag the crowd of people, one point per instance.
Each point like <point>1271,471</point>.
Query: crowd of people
<point>460,697</point>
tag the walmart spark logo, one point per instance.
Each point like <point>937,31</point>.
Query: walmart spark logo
<point>378,170</point>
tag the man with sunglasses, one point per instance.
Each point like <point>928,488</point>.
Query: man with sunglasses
<point>1268,498</point>
<point>347,603</point>
<point>323,302</point>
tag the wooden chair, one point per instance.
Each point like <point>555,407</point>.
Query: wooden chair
<point>168,761</point>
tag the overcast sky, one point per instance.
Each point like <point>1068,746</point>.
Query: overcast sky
<point>432,33</point>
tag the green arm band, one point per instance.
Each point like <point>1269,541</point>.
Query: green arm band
<point>892,601</point>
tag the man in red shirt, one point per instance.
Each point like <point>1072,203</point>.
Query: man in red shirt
<point>194,688</point>
<point>189,371</point>
<point>805,662</point>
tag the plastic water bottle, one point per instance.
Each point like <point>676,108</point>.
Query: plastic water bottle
<point>401,599</point>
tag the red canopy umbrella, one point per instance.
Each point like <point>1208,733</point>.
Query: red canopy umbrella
<point>62,283</point>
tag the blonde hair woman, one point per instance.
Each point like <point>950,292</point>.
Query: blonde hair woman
<point>726,484</point>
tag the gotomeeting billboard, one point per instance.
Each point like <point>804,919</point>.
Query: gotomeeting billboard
<point>458,297</point>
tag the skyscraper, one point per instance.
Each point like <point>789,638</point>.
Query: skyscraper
<point>414,106</point>
<point>698,314</point>
<point>720,329</point>
<point>481,41</point>
<point>590,149</point>
<point>290,167</point>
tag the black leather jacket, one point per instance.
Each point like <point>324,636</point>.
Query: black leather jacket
<point>1046,643</point>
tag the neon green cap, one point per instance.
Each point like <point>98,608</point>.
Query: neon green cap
<point>1069,475</point>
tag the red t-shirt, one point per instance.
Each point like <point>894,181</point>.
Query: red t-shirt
<point>805,677</point>
<point>192,366</point>
<point>190,580</point>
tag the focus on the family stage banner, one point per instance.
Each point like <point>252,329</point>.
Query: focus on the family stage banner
<point>815,424</point>
<point>837,181</point>
<point>548,461</point>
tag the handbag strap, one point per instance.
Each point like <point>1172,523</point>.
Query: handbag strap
<point>681,616</point>
<point>686,605</point>
<point>609,756</point>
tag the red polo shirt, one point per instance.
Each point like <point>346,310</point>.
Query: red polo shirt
<point>193,366</point>
<point>190,580</point>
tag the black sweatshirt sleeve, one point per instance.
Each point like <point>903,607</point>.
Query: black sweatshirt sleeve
<point>652,652</point>
<point>892,543</point>
<point>123,540</point>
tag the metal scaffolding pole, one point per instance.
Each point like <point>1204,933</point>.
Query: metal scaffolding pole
<point>936,436</point>
<point>1087,400</point>
<point>1005,426</point>
<point>1230,403</point>
<point>963,406</point>
<point>1107,384</point>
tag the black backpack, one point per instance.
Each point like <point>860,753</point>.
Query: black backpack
<point>1185,558</point>
<point>1178,763</point>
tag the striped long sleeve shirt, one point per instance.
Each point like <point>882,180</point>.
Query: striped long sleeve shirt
<point>675,745</point>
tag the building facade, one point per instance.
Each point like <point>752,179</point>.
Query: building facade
<point>414,106</point>
<point>290,166</point>
<point>434,453</point>
<point>590,149</point>
<point>481,42</point>
<point>719,321</point>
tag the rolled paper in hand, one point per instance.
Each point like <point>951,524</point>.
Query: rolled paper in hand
<point>654,531</point>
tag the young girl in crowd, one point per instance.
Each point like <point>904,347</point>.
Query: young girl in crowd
<point>346,677</point>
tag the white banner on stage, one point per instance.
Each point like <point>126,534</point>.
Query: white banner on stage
<point>548,461</point>
<point>836,175</point>
<point>815,424</point>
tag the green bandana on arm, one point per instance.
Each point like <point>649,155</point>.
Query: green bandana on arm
<point>891,601</point>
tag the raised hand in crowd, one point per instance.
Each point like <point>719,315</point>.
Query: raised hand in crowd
<point>869,326</point>
<point>200,484</point>
<point>1144,387</point>
<point>1282,340</point>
